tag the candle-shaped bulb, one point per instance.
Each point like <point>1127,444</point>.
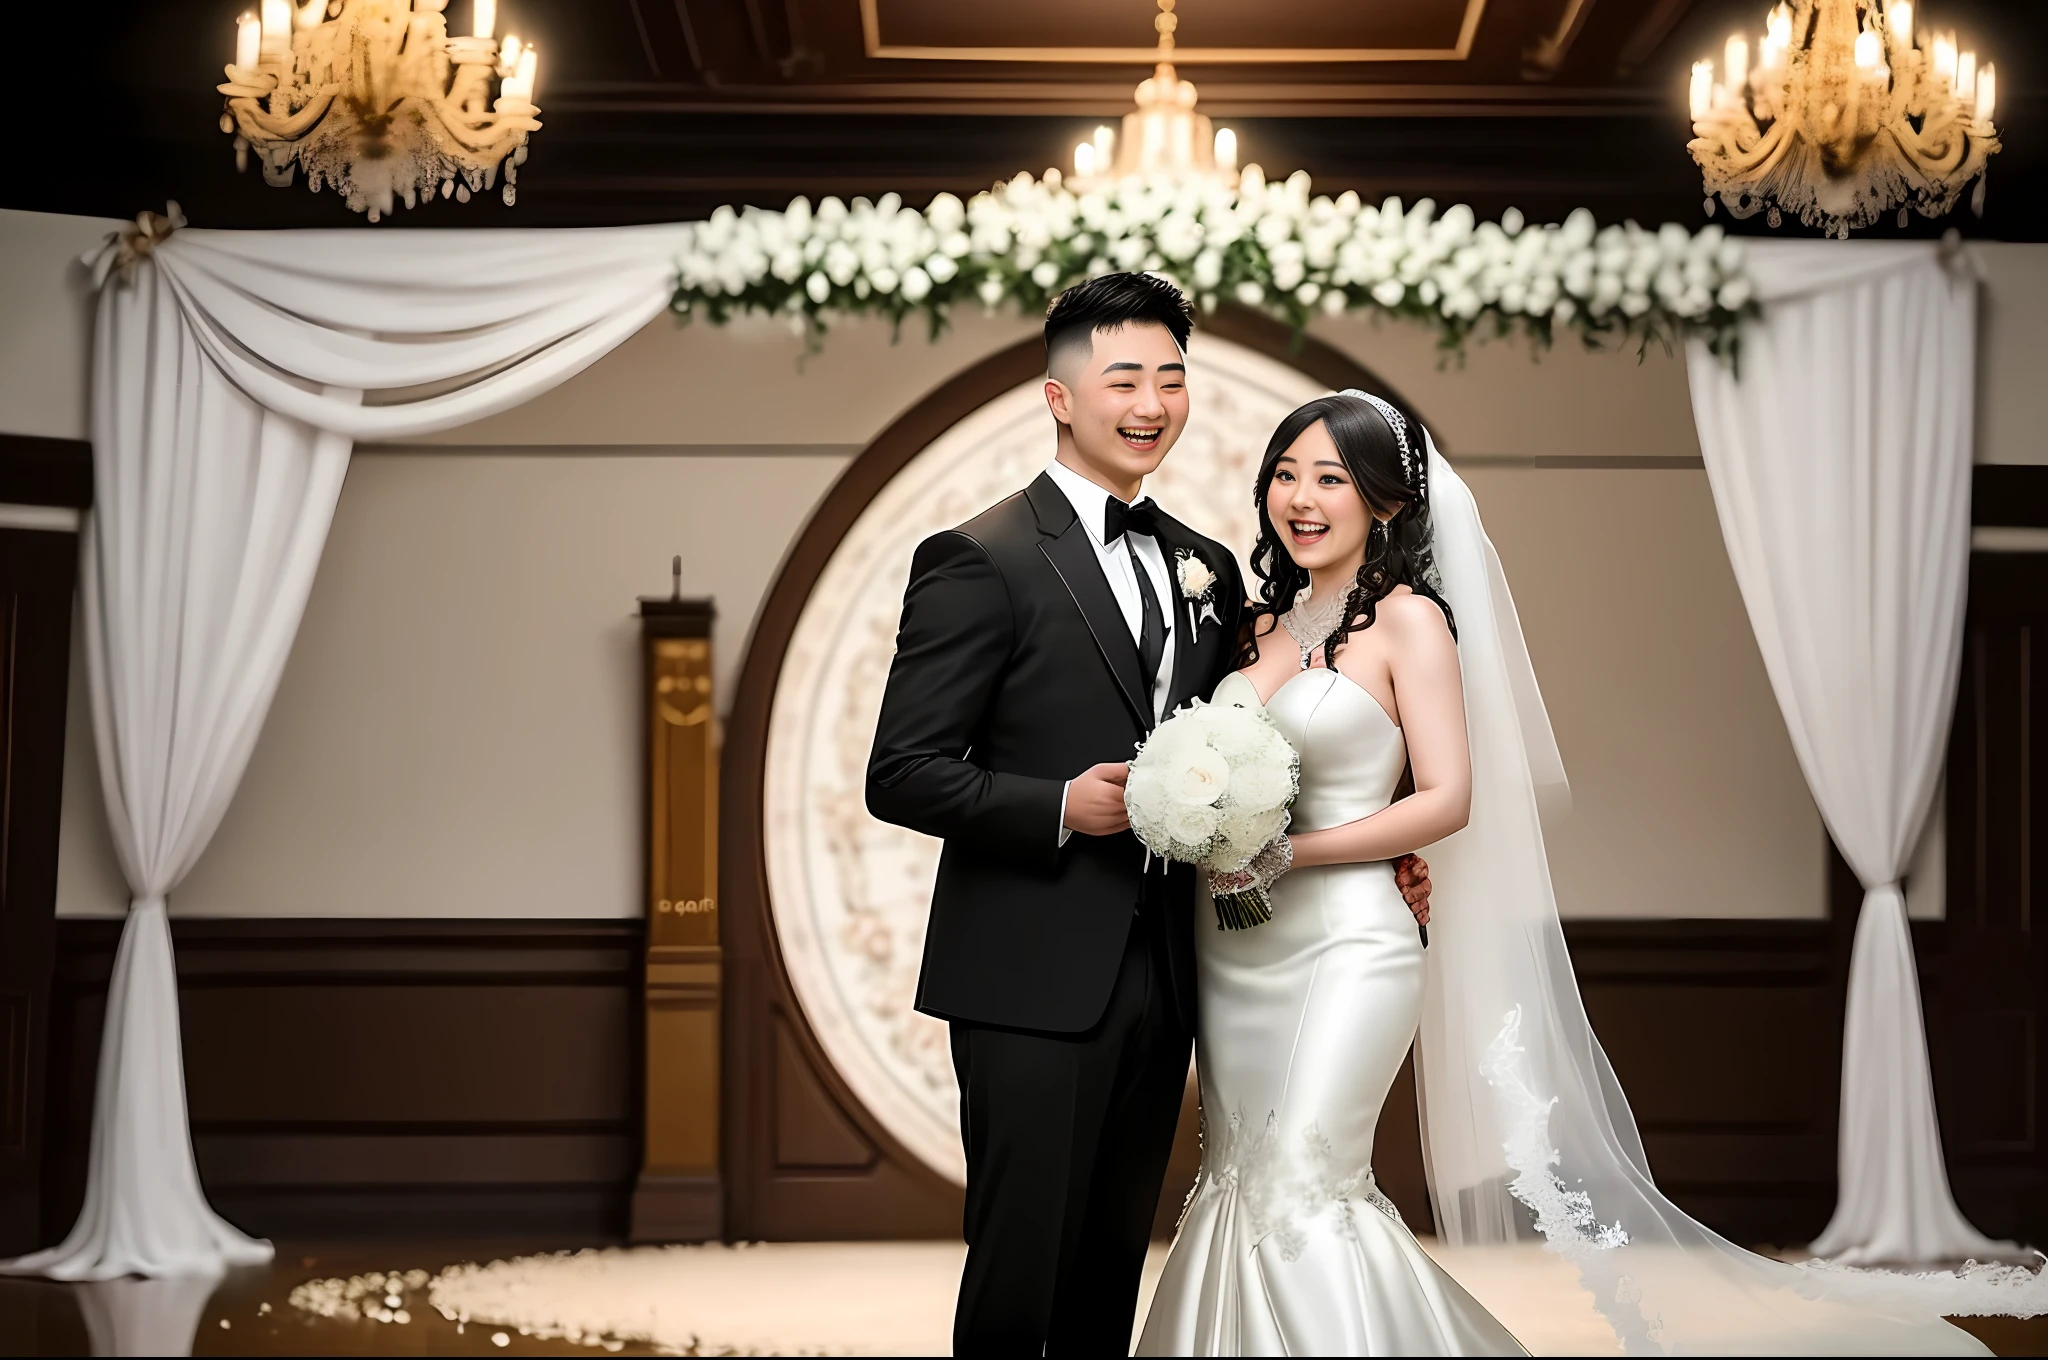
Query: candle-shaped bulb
<point>1226,149</point>
<point>277,27</point>
<point>1945,57</point>
<point>529,71</point>
<point>1737,56</point>
<point>248,41</point>
<point>1700,98</point>
<point>1867,51</point>
<point>1084,160</point>
<point>1966,75</point>
<point>1987,92</point>
<point>508,56</point>
<point>486,18</point>
<point>1770,48</point>
<point>1899,18</point>
<point>1105,146</point>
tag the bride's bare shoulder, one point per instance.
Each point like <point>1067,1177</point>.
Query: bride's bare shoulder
<point>1414,617</point>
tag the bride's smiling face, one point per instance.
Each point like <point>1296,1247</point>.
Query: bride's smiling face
<point>1315,506</point>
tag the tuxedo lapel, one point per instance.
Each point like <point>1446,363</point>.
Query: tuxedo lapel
<point>1074,559</point>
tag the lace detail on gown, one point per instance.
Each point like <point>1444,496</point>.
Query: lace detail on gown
<point>1284,1188</point>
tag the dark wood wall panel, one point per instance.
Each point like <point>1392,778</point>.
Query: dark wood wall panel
<point>1726,1036</point>
<point>37,569</point>
<point>1990,1065</point>
<point>37,470</point>
<point>386,1078</point>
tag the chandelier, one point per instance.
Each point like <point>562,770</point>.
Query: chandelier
<point>376,99</point>
<point>1842,117</point>
<point>1163,138</point>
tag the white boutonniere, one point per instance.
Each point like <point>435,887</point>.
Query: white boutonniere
<point>1197,584</point>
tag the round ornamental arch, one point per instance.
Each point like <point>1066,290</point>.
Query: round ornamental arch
<point>840,1110</point>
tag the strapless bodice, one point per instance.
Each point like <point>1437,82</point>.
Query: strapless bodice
<point>1352,755</point>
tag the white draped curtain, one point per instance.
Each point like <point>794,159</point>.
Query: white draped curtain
<point>1840,456</point>
<point>232,372</point>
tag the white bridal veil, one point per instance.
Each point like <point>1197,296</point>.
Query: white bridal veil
<point>1525,1128</point>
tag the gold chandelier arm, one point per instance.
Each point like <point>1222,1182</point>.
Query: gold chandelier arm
<point>489,136</point>
<point>1735,163</point>
<point>258,124</point>
<point>1937,161</point>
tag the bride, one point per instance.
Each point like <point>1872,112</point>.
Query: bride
<point>1386,639</point>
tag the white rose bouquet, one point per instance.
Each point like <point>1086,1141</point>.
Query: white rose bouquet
<point>1212,788</point>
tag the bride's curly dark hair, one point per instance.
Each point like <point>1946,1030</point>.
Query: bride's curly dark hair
<point>1384,452</point>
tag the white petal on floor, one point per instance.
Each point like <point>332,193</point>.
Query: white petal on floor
<point>839,1298</point>
<point>884,1298</point>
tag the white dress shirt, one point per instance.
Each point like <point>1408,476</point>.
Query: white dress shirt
<point>1091,504</point>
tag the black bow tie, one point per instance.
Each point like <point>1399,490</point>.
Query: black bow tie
<point>1119,519</point>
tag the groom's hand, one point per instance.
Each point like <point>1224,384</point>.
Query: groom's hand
<point>1411,875</point>
<point>1095,800</point>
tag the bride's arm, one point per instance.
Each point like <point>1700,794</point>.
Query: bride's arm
<point>1431,698</point>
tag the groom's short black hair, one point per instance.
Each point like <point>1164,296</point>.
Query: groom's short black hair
<point>1110,301</point>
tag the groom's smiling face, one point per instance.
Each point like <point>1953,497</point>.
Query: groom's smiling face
<point>1121,398</point>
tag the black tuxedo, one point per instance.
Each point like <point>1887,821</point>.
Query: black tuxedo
<point>1066,971</point>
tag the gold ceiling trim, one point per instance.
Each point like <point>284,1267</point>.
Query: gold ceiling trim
<point>871,33</point>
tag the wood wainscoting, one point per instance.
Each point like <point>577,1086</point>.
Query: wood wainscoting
<point>1990,1065</point>
<point>428,1079</point>
<point>1727,1038</point>
<point>45,487</point>
<point>383,1078</point>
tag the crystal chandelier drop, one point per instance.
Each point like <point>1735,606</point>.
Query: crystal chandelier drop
<point>376,99</point>
<point>1164,138</point>
<point>1843,117</point>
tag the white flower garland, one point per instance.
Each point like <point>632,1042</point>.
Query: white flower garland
<point>1269,246</point>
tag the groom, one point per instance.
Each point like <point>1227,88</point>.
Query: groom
<point>1041,641</point>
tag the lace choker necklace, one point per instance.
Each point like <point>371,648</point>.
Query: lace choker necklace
<point>1311,622</point>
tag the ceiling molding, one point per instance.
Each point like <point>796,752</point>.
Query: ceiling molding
<point>1542,61</point>
<point>1088,99</point>
<point>878,47</point>
<point>1655,27</point>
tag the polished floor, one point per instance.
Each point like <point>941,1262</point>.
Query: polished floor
<point>248,1312</point>
<point>813,1298</point>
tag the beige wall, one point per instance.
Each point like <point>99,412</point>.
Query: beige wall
<point>2012,335</point>
<point>1679,762</point>
<point>458,733</point>
<point>455,733</point>
<point>45,321</point>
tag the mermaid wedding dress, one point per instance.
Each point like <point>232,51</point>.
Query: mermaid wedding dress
<point>1287,1246</point>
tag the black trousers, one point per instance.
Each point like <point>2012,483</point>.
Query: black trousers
<point>1067,1139</point>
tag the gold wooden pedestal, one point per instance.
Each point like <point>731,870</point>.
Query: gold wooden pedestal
<point>680,1196</point>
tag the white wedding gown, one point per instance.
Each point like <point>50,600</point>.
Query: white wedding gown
<point>1287,1246</point>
